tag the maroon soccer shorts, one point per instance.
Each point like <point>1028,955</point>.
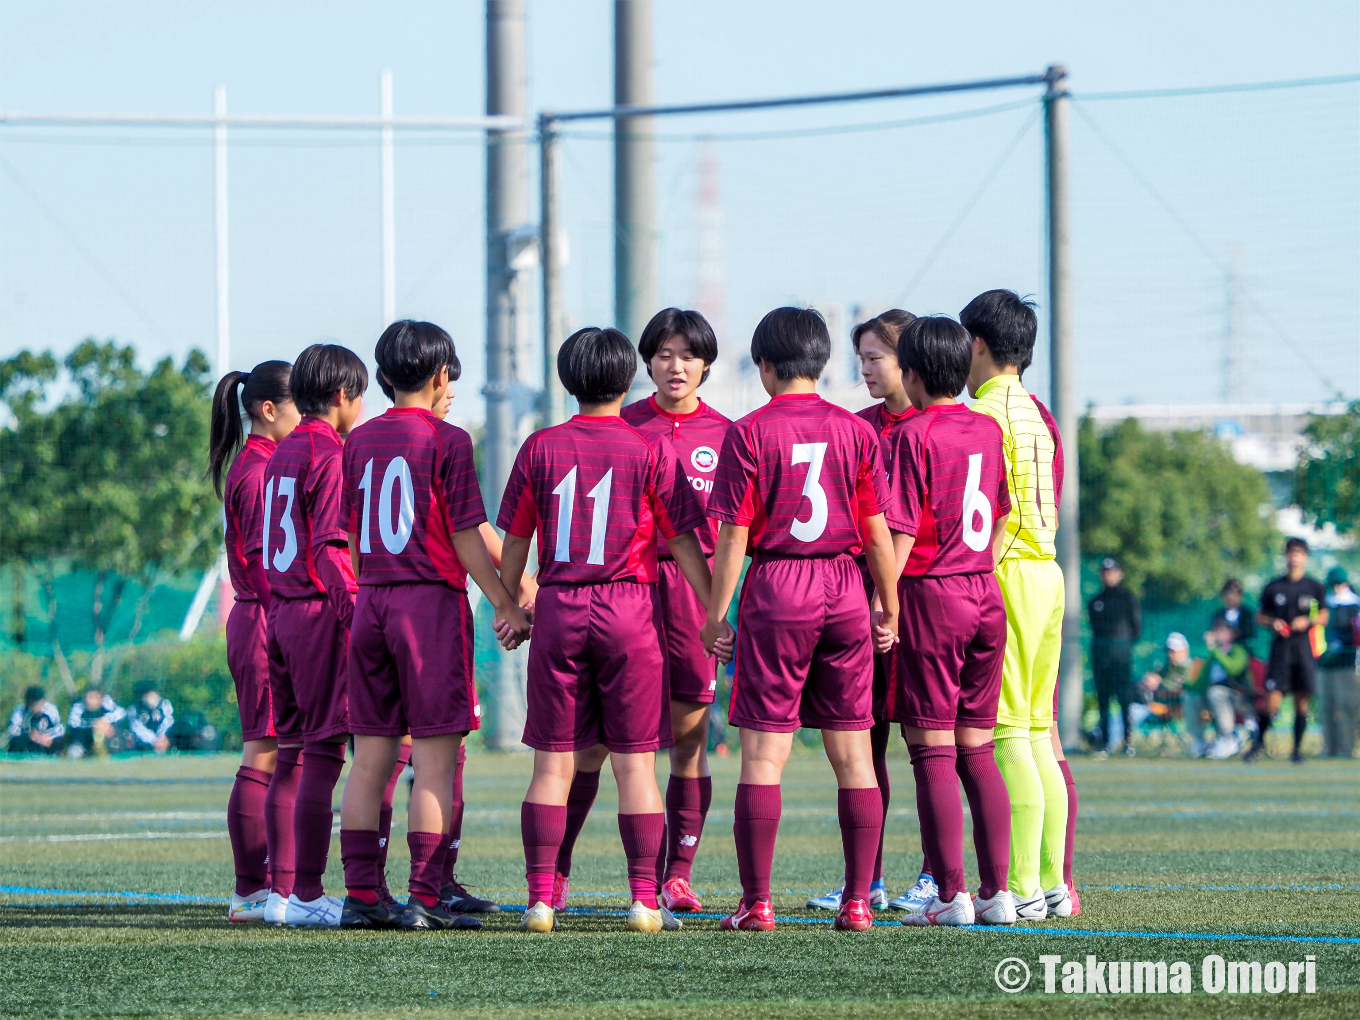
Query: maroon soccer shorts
<point>804,652</point>
<point>248,661</point>
<point>949,659</point>
<point>307,665</point>
<point>597,674</point>
<point>410,662</point>
<point>693,675</point>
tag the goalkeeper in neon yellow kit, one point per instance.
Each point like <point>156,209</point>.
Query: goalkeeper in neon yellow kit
<point>1003,327</point>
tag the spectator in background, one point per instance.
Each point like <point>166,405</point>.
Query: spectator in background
<point>1116,623</point>
<point>1223,688</point>
<point>150,719</point>
<point>91,723</point>
<point>35,726</point>
<point>1164,686</point>
<point>1339,667</point>
<point>1236,615</point>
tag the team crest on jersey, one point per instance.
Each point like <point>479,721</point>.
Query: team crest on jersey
<point>704,458</point>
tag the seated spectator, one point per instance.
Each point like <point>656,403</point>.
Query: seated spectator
<point>1163,688</point>
<point>1225,689</point>
<point>91,723</point>
<point>150,719</point>
<point>35,726</point>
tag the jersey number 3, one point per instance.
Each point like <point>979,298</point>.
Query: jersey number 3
<point>599,517</point>
<point>811,454</point>
<point>283,558</point>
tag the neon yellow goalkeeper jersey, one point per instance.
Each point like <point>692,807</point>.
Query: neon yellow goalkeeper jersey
<point>1030,453</point>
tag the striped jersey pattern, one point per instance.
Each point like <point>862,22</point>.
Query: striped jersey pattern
<point>303,486</point>
<point>803,474</point>
<point>243,507</point>
<point>597,492</point>
<point>410,482</point>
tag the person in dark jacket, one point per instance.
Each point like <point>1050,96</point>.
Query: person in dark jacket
<point>150,718</point>
<point>1116,623</point>
<point>35,725</point>
<point>92,722</point>
<point>1339,669</point>
<point>1241,618</point>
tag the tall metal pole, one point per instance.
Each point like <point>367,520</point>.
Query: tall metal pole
<point>635,262</point>
<point>1063,390</point>
<point>549,227</point>
<point>220,228</point>
<point>389,233</point>
<point>507,207</point>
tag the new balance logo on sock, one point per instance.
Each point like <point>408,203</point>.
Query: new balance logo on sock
<point>688,840</point>
<point>382,842</point>
<point>453,844</point>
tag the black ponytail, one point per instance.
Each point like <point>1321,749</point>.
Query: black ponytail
<point>267,381</point>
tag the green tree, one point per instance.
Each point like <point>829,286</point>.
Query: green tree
<point>1327,478</point>
<point>1175,507</point>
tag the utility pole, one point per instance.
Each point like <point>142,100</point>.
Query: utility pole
<point>507,207</point>
<point>1234,384</point>
<point>1062,386</point>
<point>550,244</point>
<point>220,228</point>
<point>389,234</point>
<point>635,264</point>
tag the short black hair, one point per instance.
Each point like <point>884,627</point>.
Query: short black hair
<point>1006,323</point>
<point>597,365</point>
<point>690,326</point>
<point>1295,543</point>
<point>324,371</point>
<point>1231,584</point>
<point>411,353</point>
<point>940,351</point>
<point>33,694</point>
<point>794,341</point>
<point>887,326</point>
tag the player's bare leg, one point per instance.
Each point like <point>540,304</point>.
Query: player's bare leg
<point>584,788</point>
<point>688,795</point>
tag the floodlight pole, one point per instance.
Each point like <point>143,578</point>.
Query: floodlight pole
<point>389,234</point>
<point>222,364</point>
<point>635,261</point>
<point>1062,388</point>
<point>550,241</point>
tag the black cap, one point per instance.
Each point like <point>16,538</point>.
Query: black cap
<point>1110,563</point>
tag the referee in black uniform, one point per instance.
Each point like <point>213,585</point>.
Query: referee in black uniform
<point>1116,623</point>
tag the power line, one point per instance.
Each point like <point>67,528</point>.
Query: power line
<point>1209,90</point>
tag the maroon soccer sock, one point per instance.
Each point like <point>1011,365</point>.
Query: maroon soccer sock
<point>385,812</point>
<point>584,787</point>
<point>755,827</point>
<point>359,852</point>
<point>427,850</point>
<point>990,805</point>
<point>644,836</point>
<point>941,813</point>
<point>861,818</point>
<point>542,827</point>
<point>455,833</point>
<point>684,822</point>
<point>312,816</point>
<point>878,737</point>
<point>1071,820</point>
<point>278,819</point>
<point>246,826</point>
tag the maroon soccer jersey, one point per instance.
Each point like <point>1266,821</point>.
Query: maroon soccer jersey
<point>302,496</point>
<point>598,491</point>
<point>949,486</point>
<point>697,438</point>
<point>803,474</point>
<point>410,482</point>
<point>243,504</point>
<point>882,419</point>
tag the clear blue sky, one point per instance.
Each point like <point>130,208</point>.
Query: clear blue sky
<point>304,216</point>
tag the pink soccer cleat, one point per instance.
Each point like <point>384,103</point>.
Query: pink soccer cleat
<point>678,897</point>
<point>561,886</point>
<point>759,917</point>
<point>854,915</point>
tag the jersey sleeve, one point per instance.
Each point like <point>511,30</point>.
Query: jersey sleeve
<point>907,483</point>
<point>458,482</point>
<point>1059,465</point>
<point>325,488</point>
<point>734,489</point>
<point>519,513</point>
<point>871,484</point>
<point>674,506</point>
<point>349,510</point>
<point>1003,485</point>
<point>247,506</point>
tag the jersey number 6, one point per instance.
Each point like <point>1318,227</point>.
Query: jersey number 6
<point>976,505</point>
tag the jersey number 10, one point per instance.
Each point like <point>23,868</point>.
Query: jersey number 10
<point>394,535</point>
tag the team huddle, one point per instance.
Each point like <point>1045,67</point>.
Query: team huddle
<point>902,571</point>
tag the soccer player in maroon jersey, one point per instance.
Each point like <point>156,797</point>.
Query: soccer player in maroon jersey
<point>800,481</point>
<point>678,348</point>
<point>948,513</point>
<point>272,415</point>
<point>311,580</point>
<point>596,491</point>
<point>413,511</point>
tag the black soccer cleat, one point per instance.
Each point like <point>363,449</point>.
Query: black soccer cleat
<point>1297,757</point>
<point>418,917</point>
<point>1253,753</point>
<point>458,900</point>
<point>358,914</point>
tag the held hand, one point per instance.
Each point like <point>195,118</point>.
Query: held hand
<point>512,627</point>
<point>528,594</point>
<point>709,634</point>
<point>885,632</point>
<point>725,644</point>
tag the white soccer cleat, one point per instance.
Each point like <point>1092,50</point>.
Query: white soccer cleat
<point>955,913</point>
<point>1032,908</point>
<point>878,896</point>
<point>322,912</point>
<point>538,918</point>
<point>669,922</point>
<point>999,909</point>
<point>248,908</point>
<point>917,896</point>
<point>1059,901</point>
<point>1224,748</point>
<point>828,901</point>
<point>275,908</point>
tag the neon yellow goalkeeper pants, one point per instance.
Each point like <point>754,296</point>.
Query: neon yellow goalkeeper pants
<point>1033,593</point>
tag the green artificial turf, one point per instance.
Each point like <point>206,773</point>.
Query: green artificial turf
<point>1165,847</point>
